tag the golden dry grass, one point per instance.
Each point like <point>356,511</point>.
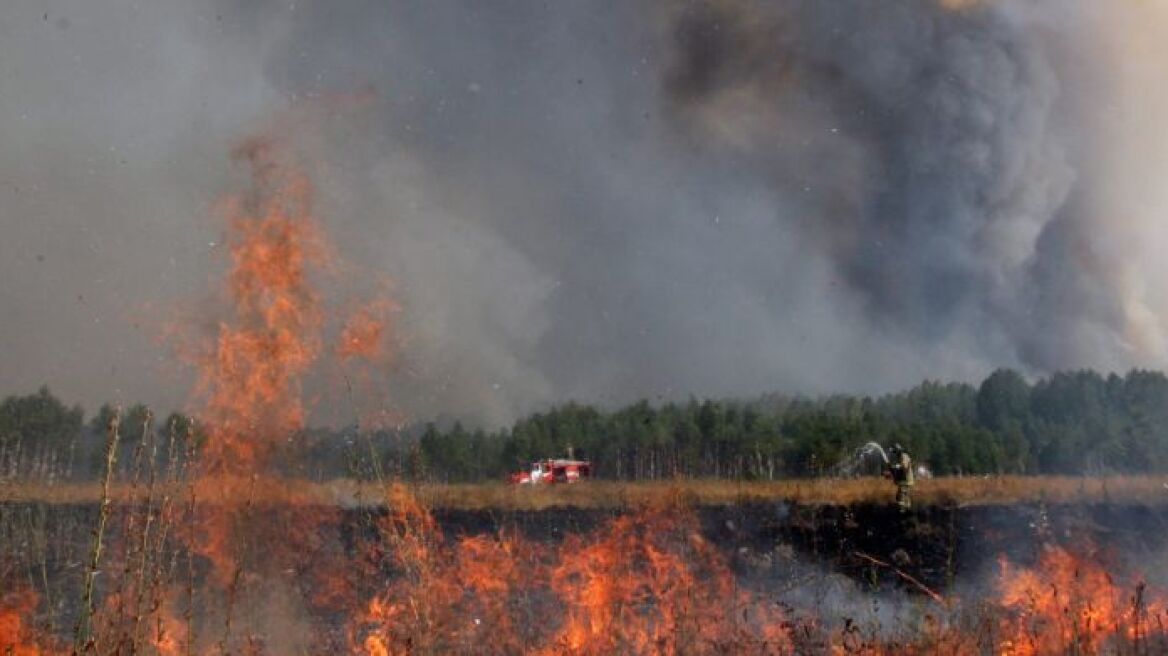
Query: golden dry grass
<point>938,491</point>
<point>609,494</point>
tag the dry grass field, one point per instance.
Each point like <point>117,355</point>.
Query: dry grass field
<point>817,582</point>
<point>610,494</point>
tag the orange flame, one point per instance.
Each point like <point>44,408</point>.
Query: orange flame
<point>467,596</point>
<point>651,584</point>
<point>646,584</point>
<point>16,636</point>
<point>251,380</point>
<point>1069,604</point>
<point>168,634</point>
<point>253,374</point>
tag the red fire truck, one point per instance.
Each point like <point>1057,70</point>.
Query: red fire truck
<point>551,471</point>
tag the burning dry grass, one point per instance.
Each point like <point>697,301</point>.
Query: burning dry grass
<point>644,581</point>
<point>996,490</point>
<point>1066,600</point>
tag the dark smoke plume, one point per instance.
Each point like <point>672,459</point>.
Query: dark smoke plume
<point>607,201</point>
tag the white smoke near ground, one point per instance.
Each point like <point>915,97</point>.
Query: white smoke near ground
<point>605,202</point>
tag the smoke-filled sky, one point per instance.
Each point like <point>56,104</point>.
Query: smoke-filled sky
<point>601,201</point>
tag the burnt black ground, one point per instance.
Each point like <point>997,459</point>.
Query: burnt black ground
<point>938,545</point>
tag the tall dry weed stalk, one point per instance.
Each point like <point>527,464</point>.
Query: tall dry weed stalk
<point>162,574</point>
<point>82,634</point>
<point>114,635</point>
<point>147,557</point>
<point>241,559</point>
<point>189,611</point>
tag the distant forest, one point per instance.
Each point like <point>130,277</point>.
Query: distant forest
<point>1077,422</point>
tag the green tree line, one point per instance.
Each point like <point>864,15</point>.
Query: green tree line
<point>1076,422</point>
<point>41,438</point>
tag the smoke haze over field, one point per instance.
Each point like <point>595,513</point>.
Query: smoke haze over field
<point>602,201</point>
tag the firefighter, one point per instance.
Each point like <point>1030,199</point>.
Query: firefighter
<point>901,470</point>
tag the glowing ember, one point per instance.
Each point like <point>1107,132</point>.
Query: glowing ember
<point>364,335</point>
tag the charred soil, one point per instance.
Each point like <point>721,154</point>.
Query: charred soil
<point>874,544</point>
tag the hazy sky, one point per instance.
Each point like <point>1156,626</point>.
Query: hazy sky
<point>600,201</point>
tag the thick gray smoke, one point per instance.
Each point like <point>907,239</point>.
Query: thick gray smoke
<point>603,201</point>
